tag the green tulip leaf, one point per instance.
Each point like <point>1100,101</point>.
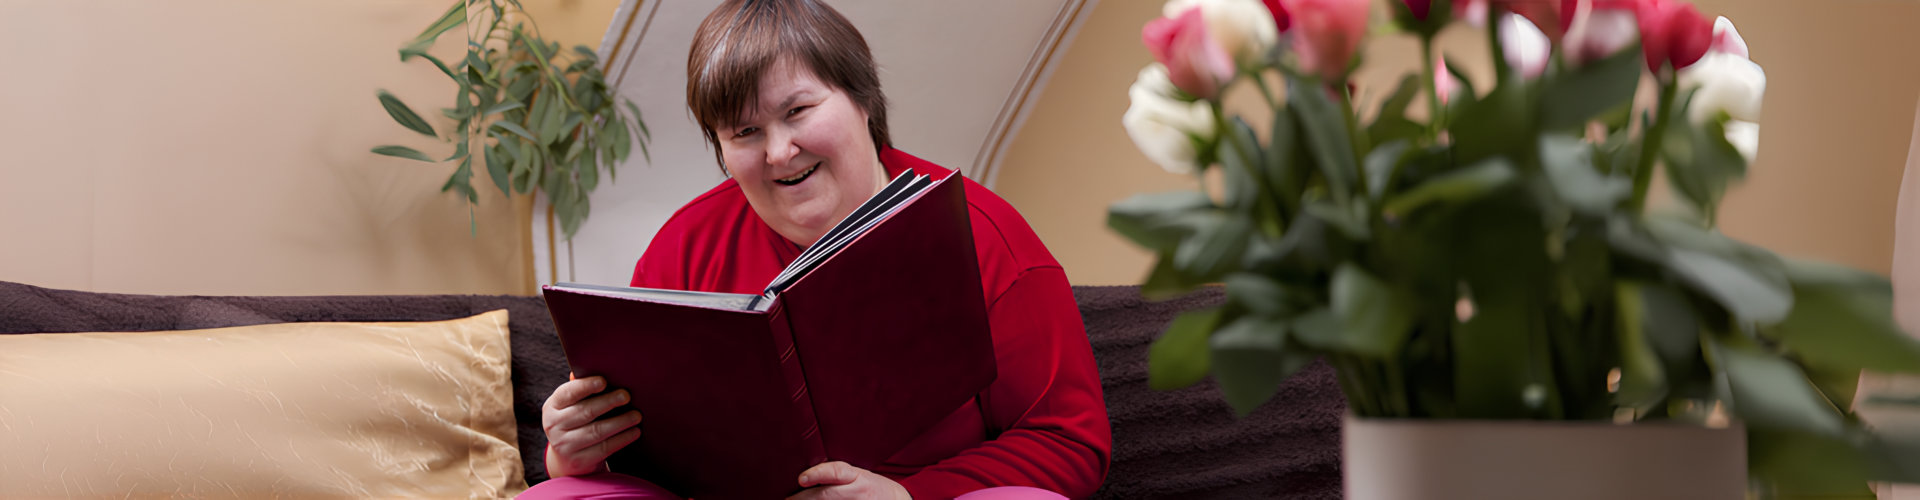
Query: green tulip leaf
<point>1453,187</point>
<point>1843,318</point>
<point>1250,361</point>
<point>1568,163</point>
<point>1772,393</point>
<point>1181,356</point>
<point>1569,100</point>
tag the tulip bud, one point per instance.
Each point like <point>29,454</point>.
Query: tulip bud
<point>1326,34</point>
<point>1193,61</point>
<point>1170,131</point>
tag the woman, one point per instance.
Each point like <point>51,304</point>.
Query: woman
<point>787,94</point>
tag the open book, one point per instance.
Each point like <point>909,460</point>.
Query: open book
<point>872,335</point>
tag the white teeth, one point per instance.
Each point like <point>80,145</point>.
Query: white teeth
<point>799,176</point>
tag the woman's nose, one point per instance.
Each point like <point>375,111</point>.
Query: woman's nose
<point>780,148</point>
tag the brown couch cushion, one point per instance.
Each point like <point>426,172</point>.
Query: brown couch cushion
<point>291,409</point>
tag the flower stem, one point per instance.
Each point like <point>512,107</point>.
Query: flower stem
<point>1651,144</point>
<point>1430,74</point>
<point>1260,80</point>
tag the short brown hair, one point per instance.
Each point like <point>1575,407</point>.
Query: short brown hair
<point>742,38</point>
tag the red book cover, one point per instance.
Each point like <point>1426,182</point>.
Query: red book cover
<point>878,342</point>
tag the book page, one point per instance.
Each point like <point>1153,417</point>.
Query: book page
<point>710,300</point>
<point>898,193</point>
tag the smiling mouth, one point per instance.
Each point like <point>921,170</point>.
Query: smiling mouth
<point>798,177</point>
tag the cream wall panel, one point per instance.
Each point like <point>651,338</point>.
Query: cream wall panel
<point>220,147</point>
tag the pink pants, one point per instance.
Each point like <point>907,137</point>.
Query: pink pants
<point>612,486</point>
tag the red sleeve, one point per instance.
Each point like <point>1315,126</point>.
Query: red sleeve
<point>1046,398</point>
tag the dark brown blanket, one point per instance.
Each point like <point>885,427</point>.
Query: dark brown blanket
<point>1184,444</point>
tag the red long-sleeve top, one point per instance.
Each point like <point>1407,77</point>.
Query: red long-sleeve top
<point>1042,423</point>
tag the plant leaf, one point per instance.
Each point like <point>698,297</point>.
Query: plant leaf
<point>403,152</point>
<point>1568,163</point>
<point>1326,132</point>
<point>1843,318</point>
<point>1746,293</point>
<point>1249,361</point>
<point>516,129</point>
<point>1216,246</point>
<point>1392,124</point>
<point>498,162</point>
<point>404,115</point>
<point>1376,317</point>
<point>504,106</point>
<point>1383,165</point>
<point>1771,393</point>
<point>1573,98</point>
<point>1158,221</point>
<point>1643,381</point>
<point>1456,186</point>
<point>454,16</point>
<point>1180,357</point>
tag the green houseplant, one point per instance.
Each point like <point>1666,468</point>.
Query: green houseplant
<point>534,116</point>
<point>1496,259</point>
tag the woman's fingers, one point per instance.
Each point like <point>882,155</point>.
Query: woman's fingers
<point>585,412</point>
<point>829,474</point>
<point>600,451</point>
<point>573,391</point>
<point>581,442</point>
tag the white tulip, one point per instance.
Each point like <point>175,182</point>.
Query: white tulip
<point>1728,82</point>
<point>1745,137</point>
<point>1243,27</point>
<point>1525,47</point>
<point>1169,130</point>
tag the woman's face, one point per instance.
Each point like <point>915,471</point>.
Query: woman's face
<point>802,154</point>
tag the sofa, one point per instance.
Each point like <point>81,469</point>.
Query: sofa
<point>1167,444</point>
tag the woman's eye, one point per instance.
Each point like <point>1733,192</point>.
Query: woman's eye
<point>745,132</point>
<point>796,110</point>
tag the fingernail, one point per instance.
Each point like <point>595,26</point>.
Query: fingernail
<point>621,397</point>
<point>596,383</point>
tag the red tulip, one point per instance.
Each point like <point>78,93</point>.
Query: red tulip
<point>1673,32</point>
<point>1420,8</point>
<point>1281,20</point>
<point>1194,62</point>
<point>1326,34</point>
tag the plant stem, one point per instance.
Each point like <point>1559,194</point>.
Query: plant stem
<point>1650,146</point>
<point>1431,75</point>
<point>1500,69</point>
<point>1353,138</point>
<point>1260,80</point>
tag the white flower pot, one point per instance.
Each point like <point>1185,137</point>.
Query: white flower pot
<point>1393,459</point>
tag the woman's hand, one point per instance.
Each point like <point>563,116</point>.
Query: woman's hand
<point>839,481</point>
<point>578,440</point>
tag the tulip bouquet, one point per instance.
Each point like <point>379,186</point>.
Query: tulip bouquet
<point>1493,257</point>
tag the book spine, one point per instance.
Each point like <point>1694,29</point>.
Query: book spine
<point>790,368</point>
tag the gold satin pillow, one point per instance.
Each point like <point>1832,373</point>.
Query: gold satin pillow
<point>284,410</point>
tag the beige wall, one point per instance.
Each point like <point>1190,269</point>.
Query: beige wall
<point>220,147</point>
<point>1842,85</point>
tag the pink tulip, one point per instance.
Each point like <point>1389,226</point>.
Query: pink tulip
<point>1673,32</point>
<point>1596,29</point>
<point>1326,34</point>
<point>1194,62</point>
<point>1444,83</point>
<point>1473,11</point>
